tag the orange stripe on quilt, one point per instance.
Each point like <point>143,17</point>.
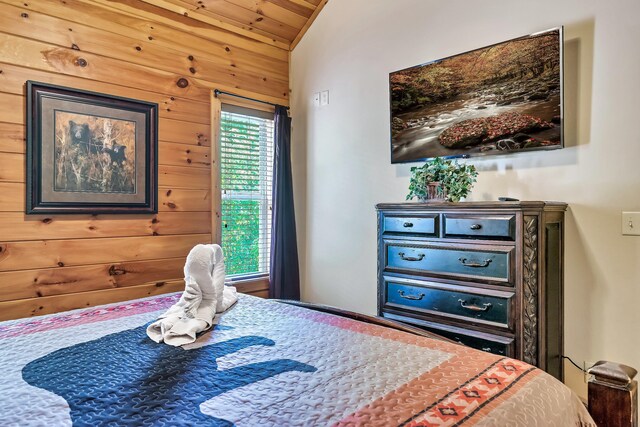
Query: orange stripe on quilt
<point>469,384</point>
<point>477,397</point>
<point>376,330</point>
<point>499,399</point>
<point>428,388</point>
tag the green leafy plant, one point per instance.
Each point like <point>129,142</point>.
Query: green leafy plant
<point>455,180</point>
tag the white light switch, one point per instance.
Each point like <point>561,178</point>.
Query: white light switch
<point>324,98</point>
<point>316,99</point>
<point>631,223</point>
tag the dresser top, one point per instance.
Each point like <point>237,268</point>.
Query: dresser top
<point>493,205</point>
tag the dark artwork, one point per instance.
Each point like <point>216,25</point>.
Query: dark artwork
<point>90,153</point>
<point>494,100</point>
<point>94,154</point>
<point>125,378</point>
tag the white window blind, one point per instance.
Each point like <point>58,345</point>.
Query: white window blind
<point>246,168</point>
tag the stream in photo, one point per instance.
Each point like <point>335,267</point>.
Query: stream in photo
<point>424,125</point>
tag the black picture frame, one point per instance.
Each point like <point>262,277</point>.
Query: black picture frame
<point>90,153</point>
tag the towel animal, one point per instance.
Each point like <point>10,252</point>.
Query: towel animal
<point>204,296</point>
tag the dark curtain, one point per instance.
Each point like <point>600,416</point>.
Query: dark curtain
<point>284,276</point>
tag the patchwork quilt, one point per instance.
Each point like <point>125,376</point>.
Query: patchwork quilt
<point>265,364</point>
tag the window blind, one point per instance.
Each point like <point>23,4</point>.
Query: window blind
<point>246,171</point>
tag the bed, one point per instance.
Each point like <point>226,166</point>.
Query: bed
<point>266,363</point>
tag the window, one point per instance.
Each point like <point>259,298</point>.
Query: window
<point>246,170</point>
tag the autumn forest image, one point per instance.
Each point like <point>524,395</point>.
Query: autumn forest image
<point>493,100</point>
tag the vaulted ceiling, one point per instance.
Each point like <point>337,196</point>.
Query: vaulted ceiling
<point>281,23</point>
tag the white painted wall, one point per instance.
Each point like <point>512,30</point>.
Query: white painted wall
<point>342,164</point>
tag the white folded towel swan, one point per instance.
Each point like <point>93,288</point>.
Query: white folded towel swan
<point>205,295</point>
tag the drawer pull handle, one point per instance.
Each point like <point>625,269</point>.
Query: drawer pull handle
<point>476,226</point>
<point>485,307</point>
<point>486,349</point>
<point>411,297</point>
<point>420,257</point>
<point>482,264</point>
<point>407,225</point>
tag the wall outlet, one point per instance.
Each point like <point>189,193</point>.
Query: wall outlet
<point>316,99</point>
<point>631,223</point>
<point>324,100</point>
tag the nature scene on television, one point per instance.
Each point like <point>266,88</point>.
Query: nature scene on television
<point>94,154</point>
<point>498,99</point>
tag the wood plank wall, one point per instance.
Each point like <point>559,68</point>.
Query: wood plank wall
<point>55,263</point>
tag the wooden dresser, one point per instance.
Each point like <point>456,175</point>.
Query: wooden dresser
<point>486,274</point>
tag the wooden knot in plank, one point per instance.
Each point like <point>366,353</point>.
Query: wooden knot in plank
<point>115,271</point>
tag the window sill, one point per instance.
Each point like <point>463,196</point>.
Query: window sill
<point>256,286</point>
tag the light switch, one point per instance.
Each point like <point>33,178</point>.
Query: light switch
<point>631,223</point>
<point>324,98</point>
<point>316,99</point>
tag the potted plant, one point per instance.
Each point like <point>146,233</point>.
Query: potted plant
<point>440,180</point>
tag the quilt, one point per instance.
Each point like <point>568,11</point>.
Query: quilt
<point>265,364</point>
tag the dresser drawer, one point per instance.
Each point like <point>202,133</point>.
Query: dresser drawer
<point>495,227</point>
<point>426,225</point>
<point>466,262</point>
<point>492,343</point>
<point>495,344</point>
<point>492,308</point>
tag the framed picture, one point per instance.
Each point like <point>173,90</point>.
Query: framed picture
<point>501,99</point>
<point>90,153</point>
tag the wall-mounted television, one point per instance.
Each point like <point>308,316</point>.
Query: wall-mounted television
<point>500,99</point>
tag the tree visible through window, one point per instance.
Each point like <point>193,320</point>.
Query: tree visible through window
<point>246,163</point>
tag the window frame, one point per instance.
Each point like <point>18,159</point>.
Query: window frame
<point>257,284</point>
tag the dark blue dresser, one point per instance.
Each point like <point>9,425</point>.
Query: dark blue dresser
<point>485,274</point>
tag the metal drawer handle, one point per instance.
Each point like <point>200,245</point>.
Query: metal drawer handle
<point>476,226</point>
<point>411,297</point>
<point>485,307</point>
<point>482,264</point>
<point>407,225</point>
<point>420,257</point>
<point>486,349</point>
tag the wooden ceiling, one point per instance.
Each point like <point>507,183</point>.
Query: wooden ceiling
<point>281,23</point>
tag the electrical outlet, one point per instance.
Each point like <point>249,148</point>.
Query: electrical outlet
<point>324,99</point>
<point>316,99</point>
<point>631,223</point>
